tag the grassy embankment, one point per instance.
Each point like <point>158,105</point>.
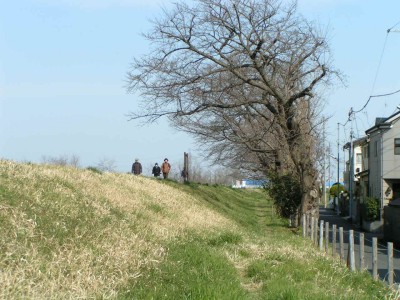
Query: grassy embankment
<point>69,233</point>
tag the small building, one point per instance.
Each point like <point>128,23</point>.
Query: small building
<point>249,183</point>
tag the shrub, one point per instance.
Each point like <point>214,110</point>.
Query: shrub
<point>94,169</point>
<point>285,191</point>
<point>372,207</point>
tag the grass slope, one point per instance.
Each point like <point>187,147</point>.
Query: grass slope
<point>69,233</point>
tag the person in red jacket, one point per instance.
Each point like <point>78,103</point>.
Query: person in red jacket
<point>165,168</point>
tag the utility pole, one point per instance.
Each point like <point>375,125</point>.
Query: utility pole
<point>351,173</point>
<point>324,167</point>
<point>329,172</point>
<point>338,166</point>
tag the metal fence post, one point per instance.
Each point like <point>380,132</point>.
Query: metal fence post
<point>312,229</point>
<point>375,258</point>
<point>352,263</point>
<point>321,235</point>
<point>341,243</point>
<point>327,237</point>
<point>333,240</point>
<point>316,232</point>
<point>390,263</point>
<point>362,260</point>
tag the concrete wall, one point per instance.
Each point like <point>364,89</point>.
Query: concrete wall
<point>391,228</point>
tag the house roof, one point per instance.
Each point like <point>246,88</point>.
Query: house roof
<point>356,142</point>
<point>383,123</point>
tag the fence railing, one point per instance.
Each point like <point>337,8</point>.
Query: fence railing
<point>332,241</point>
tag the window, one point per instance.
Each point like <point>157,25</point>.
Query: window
<point>359,158</point>
<point>397,146</point>
<point>376,148</point>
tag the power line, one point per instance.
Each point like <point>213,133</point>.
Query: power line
<point>375,96</point>
<point>379,63</point>
<point>377,72</point>
<point>393,26</point>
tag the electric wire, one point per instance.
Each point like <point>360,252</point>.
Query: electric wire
<point>377,73</point>
<point>379,63</point>
<point>375,96</point>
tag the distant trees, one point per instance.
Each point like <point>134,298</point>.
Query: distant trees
<point>241,77</point>
<point>62,160</point>
<point>106,165</point>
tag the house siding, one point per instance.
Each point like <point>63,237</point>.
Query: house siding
<point>384,167</point>
<point>375,165</point>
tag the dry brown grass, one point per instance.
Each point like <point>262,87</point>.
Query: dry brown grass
<point>104,254</point>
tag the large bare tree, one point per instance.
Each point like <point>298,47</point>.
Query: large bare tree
<point>241,76</point>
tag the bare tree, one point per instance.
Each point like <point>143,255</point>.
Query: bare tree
<point>242,76</point>
<point>62,160</point>
<point>106,165</point>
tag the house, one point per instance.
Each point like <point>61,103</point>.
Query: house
<point>384,159</point>
<point>376,171</point>
<point>356,175</point>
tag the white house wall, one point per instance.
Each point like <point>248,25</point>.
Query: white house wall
<point>359,166</point>
<point>375,145</point>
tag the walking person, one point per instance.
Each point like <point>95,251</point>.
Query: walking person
<point>165,168</point>
<point>136,167</point>
<point>156,170</point>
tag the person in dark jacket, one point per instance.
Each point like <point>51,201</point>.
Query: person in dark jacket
<point>136,167</point>
<point>156,170</point>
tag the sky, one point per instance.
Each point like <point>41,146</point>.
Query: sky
<point>63,68</point>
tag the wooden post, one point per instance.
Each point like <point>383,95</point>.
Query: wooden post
<point>375,258</point>
<point>308,225</point>
<point>185,172</point>
<point>327,237</point>
<point>333,240</point>
<point>312,229</point>
<point>351,259</point>
<point>390,263</point>
<point>341,245</point>
<point>304,226</point>
<point>362,260</point>
<point>321,235</point>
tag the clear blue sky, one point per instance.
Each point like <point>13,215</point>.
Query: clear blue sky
<point>63,66</point>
